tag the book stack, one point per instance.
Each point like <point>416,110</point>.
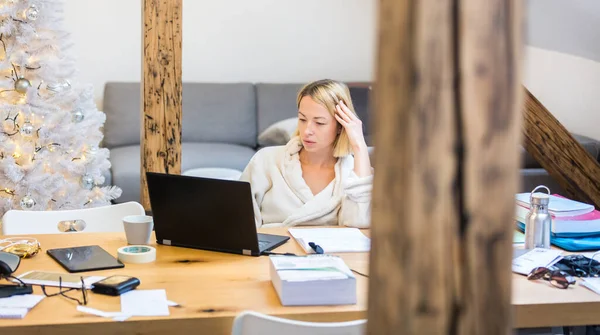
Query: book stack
<point>575,225</point>
<point>312,280</point>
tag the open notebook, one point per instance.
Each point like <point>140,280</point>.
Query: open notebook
<point>332,239</point>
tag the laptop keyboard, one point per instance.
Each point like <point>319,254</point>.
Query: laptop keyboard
<point>262,244</point>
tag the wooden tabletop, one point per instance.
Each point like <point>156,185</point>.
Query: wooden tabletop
<point>214,287</point>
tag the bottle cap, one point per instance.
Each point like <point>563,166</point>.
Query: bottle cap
<point>540,199</point>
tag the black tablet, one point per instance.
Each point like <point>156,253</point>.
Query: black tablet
<point>86,258</point>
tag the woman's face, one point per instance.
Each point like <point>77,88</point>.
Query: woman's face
<point>317,128</point>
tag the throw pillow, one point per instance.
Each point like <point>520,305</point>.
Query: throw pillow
<point>278,133</point>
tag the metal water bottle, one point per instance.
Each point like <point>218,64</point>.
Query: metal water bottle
<point>538,221</point>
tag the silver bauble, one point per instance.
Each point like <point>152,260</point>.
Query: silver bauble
<point>27,129</point>
<point>27,202</point>
<point>87,182</point>
<point>32,13</point>
<point>92,150</point>
<point>21,85</point>
<point>77,115</point>
<point>59,87</point>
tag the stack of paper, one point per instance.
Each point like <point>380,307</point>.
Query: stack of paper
<point>312,280</point>
<point>17,306</point>
<point>332,239</point>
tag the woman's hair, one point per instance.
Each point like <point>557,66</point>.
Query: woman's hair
<point>328,93</point>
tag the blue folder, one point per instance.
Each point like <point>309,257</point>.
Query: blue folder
<point>575,242</point>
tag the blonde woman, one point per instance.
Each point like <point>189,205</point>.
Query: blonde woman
<point>323,175</point>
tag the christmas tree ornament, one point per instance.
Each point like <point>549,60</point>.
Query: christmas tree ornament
<point>87,182</point>
<point>27,129</point>
<point>59,87</point>
<point>77,115</point>
<point>22,85</point>
<point>92,150</point>
<point>32,13</point>
<point>27,202</point>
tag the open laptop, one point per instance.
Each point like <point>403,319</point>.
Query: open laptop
<point>205,213</point>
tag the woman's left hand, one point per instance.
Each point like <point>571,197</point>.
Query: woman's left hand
<point>352,124</point>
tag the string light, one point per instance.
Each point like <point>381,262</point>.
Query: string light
<point>8,191</point>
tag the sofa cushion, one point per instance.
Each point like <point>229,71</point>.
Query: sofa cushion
<point>223,112</point>
<point>126,163</point>
<point>275,102</point>
<point>590,145</point>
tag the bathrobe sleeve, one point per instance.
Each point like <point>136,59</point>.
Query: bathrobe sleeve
<point>355,208</point>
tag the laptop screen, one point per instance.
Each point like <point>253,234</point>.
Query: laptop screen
<point>202,213</point>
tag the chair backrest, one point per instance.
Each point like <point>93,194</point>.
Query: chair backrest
<point>252,323</point>
<point>96,219</point>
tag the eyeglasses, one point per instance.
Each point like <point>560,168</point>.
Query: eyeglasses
<point>62,292</point>
<point>557,278</point>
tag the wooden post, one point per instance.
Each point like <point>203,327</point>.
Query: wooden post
<point>447,97</point>
<point>161,90</point>
<point>549,142</point>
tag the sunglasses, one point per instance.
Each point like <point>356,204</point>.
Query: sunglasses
<point>557,278</point>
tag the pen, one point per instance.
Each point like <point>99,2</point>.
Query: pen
<point>316,247</point>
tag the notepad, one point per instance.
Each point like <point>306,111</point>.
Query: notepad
<point>332,240</point>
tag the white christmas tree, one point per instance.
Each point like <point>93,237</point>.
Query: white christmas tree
<point>51,128</point>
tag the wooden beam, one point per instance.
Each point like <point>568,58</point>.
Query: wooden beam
<point>565,159</point>
<point>447,98</point>
<point>161,90</point>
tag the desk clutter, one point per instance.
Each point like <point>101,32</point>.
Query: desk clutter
<point>573,225</point>
<point>318,278</point>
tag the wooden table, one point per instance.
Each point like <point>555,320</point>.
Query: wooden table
<point>214,287</point>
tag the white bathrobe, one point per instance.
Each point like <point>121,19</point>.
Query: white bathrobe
<point>282,199</point>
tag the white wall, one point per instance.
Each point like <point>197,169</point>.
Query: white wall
<point>231,40</point>
<point>568,86</point>
<point>302,40</point>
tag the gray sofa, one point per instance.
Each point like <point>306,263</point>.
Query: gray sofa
<point>222,123</point>
<point>220,126</point>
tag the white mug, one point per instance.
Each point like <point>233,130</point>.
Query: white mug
<point>138,228</point>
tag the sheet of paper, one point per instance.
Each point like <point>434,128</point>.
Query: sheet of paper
<point>12,313</point>
<point>592,284</point>
<point>21,301</point>
<point>534,258</point>
<point>145,303</point>
<point>332,239</point>
<point>116,316</point>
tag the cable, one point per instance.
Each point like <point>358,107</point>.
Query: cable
<point>360,273</point>
<point>267,253</point>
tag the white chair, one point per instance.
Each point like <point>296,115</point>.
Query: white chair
<point>96,219</point>
<point>252,323</point>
